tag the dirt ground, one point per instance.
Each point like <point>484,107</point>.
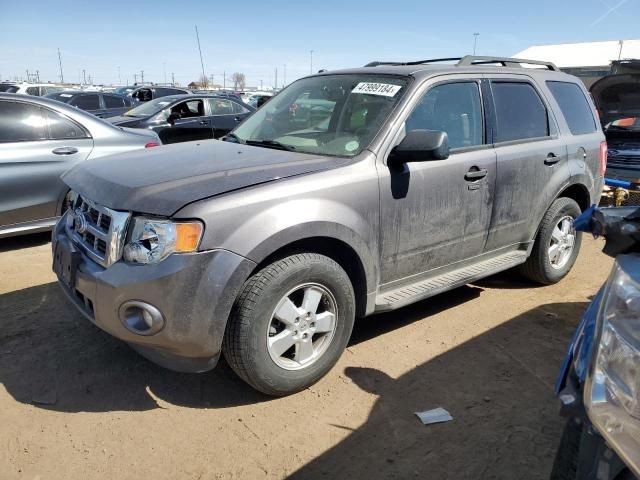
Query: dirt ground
<point>77,404</point>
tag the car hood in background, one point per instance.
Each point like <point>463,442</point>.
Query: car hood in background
<point>617,96</point>
<point>162,180</point>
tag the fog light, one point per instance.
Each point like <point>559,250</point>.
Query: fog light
<point>141,318</point>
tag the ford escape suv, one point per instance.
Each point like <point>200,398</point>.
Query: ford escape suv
<point>395,182</point>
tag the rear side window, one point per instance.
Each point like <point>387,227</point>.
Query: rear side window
<point>111,101</point>
<point>86,102</point>
<point>35,91</point>
<point>61,127</point>
<point>520,113</point>
<point>20,122</point>
<point>221,106</point>
<point>574,107</point>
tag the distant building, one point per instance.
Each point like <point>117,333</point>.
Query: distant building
<point>589,61</point>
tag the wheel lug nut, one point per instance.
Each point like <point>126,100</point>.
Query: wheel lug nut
<point>313,324</point>
<point>304,335</point>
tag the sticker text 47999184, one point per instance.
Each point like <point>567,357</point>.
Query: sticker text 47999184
<point>383,89</point>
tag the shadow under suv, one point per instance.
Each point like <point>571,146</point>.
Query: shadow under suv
<point>395,182</point>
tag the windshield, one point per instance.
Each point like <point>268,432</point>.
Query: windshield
<point>327,114</point>
<point>149,108</point>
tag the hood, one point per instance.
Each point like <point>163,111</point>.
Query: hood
<point>164,179</point>
<point>617,96</point>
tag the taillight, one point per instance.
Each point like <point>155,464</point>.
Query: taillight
<point>603,158</point>
<point>154,144</point>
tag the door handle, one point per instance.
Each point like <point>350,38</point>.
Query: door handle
<point>472,175</point>
<point>203,122</point>
<point>551,159</point>
<point>238,119</point>
<point>65,150</point>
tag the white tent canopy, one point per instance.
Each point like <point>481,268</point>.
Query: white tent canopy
<point>589,54</point>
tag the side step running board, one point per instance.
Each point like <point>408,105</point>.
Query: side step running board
<point>415,292</point>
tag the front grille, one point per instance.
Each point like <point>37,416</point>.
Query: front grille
<point>624,161</point>
<point>98,230</point>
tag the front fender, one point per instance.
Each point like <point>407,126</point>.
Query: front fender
<point>289,222</point>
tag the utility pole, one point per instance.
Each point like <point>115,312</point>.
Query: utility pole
<point>119,79</point>
<point>84,77</point>
<point>164,71</point>
<point>38,76</point>
<point>284,82</point>
<point>60,63</point>
<point>275,85</point>
<point>260,84</point>
<point>135,78</point>
<point>311,64</point>
<point>28,77</point>
<point>475,41</point>
<point>224,80</point>
<point>621,43</point>
<point>142,76</point>
<point>204,77</point>
<point>211,79</point>
<point>173,79</point>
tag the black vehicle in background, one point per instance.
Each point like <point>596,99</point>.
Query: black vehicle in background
<point>145,93</point>
<point>102,105</point>
<point>183,118</point>
<point>617,98</point>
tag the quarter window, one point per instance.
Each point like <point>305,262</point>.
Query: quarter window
<point>574,107</point>
<point>239,109</point>
<point>35,91</point>
<point>60,127</point>
<point>520,113</point>
<point>20,122</point>
<point>454,108</point>
<point>86,102</point>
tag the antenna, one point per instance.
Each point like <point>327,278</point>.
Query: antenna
<point>204,77</point>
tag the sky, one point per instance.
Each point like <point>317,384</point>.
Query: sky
<point>114,40</point>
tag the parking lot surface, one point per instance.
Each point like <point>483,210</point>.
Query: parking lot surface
<point>75,403</point>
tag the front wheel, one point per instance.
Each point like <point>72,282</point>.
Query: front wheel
<point>557,244</point>
<point>290,324</point>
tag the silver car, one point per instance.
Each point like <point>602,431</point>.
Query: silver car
<point>40,139</point>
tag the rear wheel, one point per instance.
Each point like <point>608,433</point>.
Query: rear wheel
<point>557,244</point>
<point>290,324</point>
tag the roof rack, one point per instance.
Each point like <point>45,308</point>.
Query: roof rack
<point>471,60</point>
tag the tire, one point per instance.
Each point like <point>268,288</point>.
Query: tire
<point>565,465</point>
<point>540,267</point>
<point>258,319</point>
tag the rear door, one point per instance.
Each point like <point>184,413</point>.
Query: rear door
<point>36,146</point>
<point>532,162</point>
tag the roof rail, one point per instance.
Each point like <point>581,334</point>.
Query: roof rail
<point>504,61</point>
<point>471,60</point>
<point>418,62</point>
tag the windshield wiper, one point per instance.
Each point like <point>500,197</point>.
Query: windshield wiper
<point>232,137</point>
<point>270,144</point>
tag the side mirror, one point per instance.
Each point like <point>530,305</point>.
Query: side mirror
<point>173,117</point>
<point>421,146</point>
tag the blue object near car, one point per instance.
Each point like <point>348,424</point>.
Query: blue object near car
<point>599,382</point>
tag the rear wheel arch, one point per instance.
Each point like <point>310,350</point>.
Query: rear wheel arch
<point>579,193</point>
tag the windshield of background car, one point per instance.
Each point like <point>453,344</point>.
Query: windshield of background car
<point>149,108</point>
<point>9,88</point>
<point>328,114</point>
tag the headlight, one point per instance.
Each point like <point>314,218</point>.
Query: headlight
<point>612,393</point>
<point>151,240</point>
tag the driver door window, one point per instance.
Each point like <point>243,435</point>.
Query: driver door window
<point>454,108</point>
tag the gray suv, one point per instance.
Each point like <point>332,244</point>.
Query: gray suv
<point>349,193</point>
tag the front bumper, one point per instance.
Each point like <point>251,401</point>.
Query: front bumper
<point>194,293</point>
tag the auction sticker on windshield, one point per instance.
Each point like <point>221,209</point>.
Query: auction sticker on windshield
<point>383,89</point>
